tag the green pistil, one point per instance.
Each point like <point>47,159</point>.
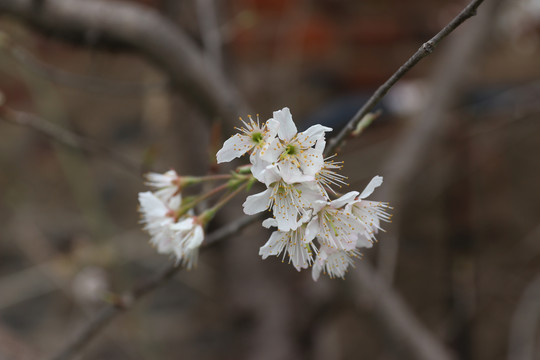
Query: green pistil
<point>257,137</point>
<point>291,150</point>
<point>331,223</point>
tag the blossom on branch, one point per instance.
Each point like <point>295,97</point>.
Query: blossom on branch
<point>313,229</point>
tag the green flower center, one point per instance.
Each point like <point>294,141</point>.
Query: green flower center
<point>290,150</point>
<point>256,137</point>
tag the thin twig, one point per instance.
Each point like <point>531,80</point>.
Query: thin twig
<point>126,301</point>
<point>129,26</point>
<point>377,297</point>
<point>525,321</point>
<point>67,138</point>
<point>409,149</point>
<point>211,36</point>
<point>79,81</point>
<point>424,50</point>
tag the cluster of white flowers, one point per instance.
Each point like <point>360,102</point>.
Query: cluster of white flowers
<point>172,230</point>
<point>312,229</point>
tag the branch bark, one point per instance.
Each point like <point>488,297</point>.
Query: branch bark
<point>424,50</point>
<point>124,302</point>
<point>142,29</point>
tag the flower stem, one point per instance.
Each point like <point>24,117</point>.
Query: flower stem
<point>209,214</point>
<point>214,177</point>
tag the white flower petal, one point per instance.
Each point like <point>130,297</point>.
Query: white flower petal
<point>364,242</point>
<point>312,228</point>
<point>373,184</point>
<point>314,133</point>
<point>197,238</point>
<point>272,127</point>
<point>236,146</point>
<point>151,205</point>
<point>344,200</point>
<point>272,152</point>
<point>291,173</point>
<point>183,225</point>
<point>311,161</point>
<point>268,223</point>
<point>274,245</point>
<point>287,129</point>
<point>257,203</point>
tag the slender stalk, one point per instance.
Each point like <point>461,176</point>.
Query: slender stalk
<point>424,50</point>
<point>214,177</point>
<point>229,196</point>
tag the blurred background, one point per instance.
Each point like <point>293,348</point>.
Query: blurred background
<point>86,110</point>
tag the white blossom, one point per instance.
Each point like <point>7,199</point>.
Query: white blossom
<point>335,227</point>
<point>297,155</point>
<point>252,136</point>
<point>332,262</point>
<point>157,216</point>
<point>289,202</point>
<point>327,177</point>
<point>166,185</point>
<point>370,213</point>
<point>188,236</point>
<point>294,243</point>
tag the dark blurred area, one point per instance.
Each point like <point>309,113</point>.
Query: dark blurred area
<point>458,142</point>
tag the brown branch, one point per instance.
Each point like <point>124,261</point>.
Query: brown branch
<point>84,82</point>
<point>424,50</point>
<point>67,138</point>
<point>126,301</point>
<point>408,152</point>
<point>377,297</point>
<point>139,28</point>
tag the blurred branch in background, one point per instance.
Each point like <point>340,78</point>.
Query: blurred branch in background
<point>66,78</point>
<point>125,301</point>
<point>207,15</point>
<point>449,76</point>
<point>426,49</point>
<point>67,138</point>
<point>523,332</point>
<point>129,26</point>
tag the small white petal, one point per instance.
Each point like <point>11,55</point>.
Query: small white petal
<point>274,245</point>
<point>287,129</point>
<point>257,203</point>
<point>268,223</point>
<point>183,225</point>
<point>292,174</point>
<point>236,146</point>
<point>312,229</point>
<point>312,135</point>
<point>272,126</point>
<point>344,200</point>
<point>272,152</point>
<point>373,184</point>
<point>311,161</point>
<point>197,238</point>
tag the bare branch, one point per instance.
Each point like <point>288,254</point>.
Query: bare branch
<point>126,301</point>
<point>424,50</point>
<point>525,321</point>
<point>450,74</point>
<point>388,308</point>
<point>67,138</point>
<point>84,82</point>
<point>142,29</point>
